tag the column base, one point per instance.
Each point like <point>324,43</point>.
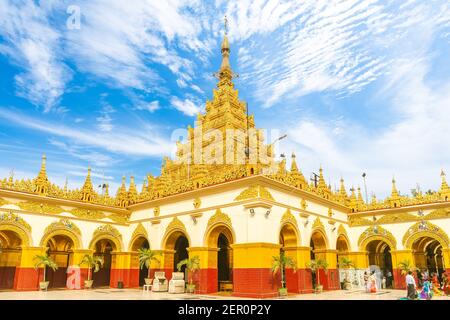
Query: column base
<point>255,282</point>
<point>129,277</point>
<point>26,279</point>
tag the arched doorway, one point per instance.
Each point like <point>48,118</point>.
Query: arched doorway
<point>181,253</point>
<point>219,238</point>
<point>10,255</point>
<point>178,243</point>
<point>141,243</point>
<point>103,249</point>
<point>380,261</point>
<point>288,239</point>
<point>342,249</point>
<point>60,250</point>
<point>318,245</point>
<point>427,253</point>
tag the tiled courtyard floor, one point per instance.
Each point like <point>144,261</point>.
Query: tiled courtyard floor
<point>135,294</point>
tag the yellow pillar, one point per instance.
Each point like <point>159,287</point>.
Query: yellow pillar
<point>360,259</point>
<point>330,279</point>
<point>78,255</point>
<point>397,257</point>
<point>301,280</point>
<point>27,277</point>
<point>206,279</point>
<point>252,265</point>
<point>121,270</point>
<point>446,255</point>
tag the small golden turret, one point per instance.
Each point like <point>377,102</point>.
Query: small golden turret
<point>122,195</point>
<point>87,191</point>
<point>444,191</point>
<point>132,192</point>
<point>41,182</point>
<point>296,175</point>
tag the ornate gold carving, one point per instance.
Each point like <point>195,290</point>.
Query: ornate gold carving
<point>3,202</point>
<point>303,204</point>
<point>427,230</point>
<point>330,212</point>
<point>436,214</point>
<point>87,214</point>
<point>197,203</point>
<point>63,226</point>
<point>39,207</point>
<point>288,217</point>
<point>395,218</point>
<point>358,221</point>
<point>376,233</point>
<point>109,232</point>
<point>139,231</point>
<point>317,224</point>
<point>254,192</point>
<point>341,231</point>
<point>11,221</point>
<point>14,219</point>
<point>120,217</point>
<point>156,212</point>
<point>219,217</point>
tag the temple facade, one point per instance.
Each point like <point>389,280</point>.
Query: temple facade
<point>230,203</point>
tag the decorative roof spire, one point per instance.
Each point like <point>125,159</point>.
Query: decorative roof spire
<point>132,192</point>
<point>342,191</point>
<point>294,167</point>
<point>41,182</point>
<point>225,73</point>
<point>444,191</point>
<point>394,193</point>
<point>87,191</point>
<point>121,196</point>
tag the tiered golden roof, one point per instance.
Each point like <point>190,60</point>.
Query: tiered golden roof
<point>224,112</point>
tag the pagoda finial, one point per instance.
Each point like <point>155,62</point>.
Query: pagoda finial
<point>122,195</point>
<point>394,193</point>
<point>225,24</point>
<point>294,167</point>
<point>342,191</point>
<point>132,192</point>
<point>41,182</point>
<point>87,191</point>
<point>444,191</point>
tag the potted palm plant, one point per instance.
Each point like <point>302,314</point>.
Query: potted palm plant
<point>192,265</point>
<point>146,256</point>
<point>46,261</point>
<point>93,263</point>
<point>406,266</point>
<point>279,264</point>
<point>315,266</point>
<point>346,263</point>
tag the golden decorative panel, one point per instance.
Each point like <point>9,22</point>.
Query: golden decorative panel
<point>139,231</point>
<point>3,202</point>
<point>87,214</point>
<point>376,233</point>
<point>288,217</point>
<point>303,204</point>
<point>341,231</point>
<point>175,224</point>
<point>64,227</point>
<point>120,218</point>
<point>254,192</point>
<point>197,203</point>
<point>427,230</point>
<point>437,214</point>
<point>11,218</point>
<point>107,229</point>
<point>40,207</point>
<point>219,217</point>
<point>395,218</point>
<point>357,221</point>
<point>156,212</point>
<point>317,224</point>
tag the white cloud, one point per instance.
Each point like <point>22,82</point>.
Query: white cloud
<point>150,107</point>
<point>34,46</point>
<point>138,142</point>
<point>186,106</point>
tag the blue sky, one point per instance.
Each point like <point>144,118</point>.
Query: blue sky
<point>358,86</point>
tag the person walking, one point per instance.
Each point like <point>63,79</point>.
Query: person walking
<point>366,281</point>
<point>410,286</point>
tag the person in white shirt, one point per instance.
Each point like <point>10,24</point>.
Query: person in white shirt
<point>410,286</point>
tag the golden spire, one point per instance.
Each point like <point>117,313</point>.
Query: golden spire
<point>444,191</point>
<point>87,191</point>
<point>353,203</point>
<point>41,182</point>
<point>294,167</point>
<point>360,198</point>
<point>342,192</point>
<point>132,192</point>
<point>225,72</point>
<point>121,196</point>
<point>394,193</point>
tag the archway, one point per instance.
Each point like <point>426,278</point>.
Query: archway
<point>380,261</point>
<point>103,248</point>
<point>10,255</point>
<point>427,252</point>
<point>141,243</point>
<point>318,245</point>
<point>177,242</point>
<point>60,250</point>
<point>219,239</point>
<point>289,238</point>
<point>342,249</point>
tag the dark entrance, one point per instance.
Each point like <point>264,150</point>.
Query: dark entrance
<point>223,259</point>
<point>10,254</point>
<point>103,248</point>
<point>181,253</point>
<point>61,252</point>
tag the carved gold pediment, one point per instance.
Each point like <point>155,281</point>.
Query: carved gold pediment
<point>426,230</point>
<point>436,214</point>
<point>14,219</point>
<point>376,233</point>
<point>288,217</point>
<point>317,224</point>
<point>87,214</point>
<point>139,231</point>
<point>40,207</point>
<point>255,192</point>
<point>219,217</point>
<point>358,221</point>
<point>398,217</point>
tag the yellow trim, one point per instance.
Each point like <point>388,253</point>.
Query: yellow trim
<point>254,255</point>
